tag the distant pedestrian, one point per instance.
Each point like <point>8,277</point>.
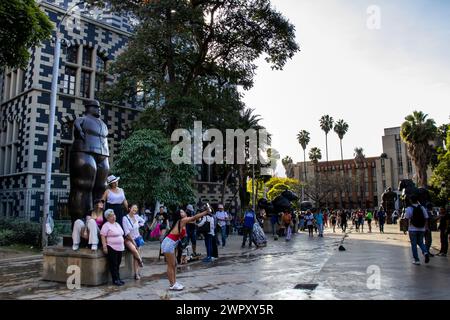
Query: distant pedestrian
<point>369,218</point>
<point>309,217</point>
<point>361,220</point>
<point>206,227</point>
<point>444,229</point>
<point>333,219</point>
<point>418,223</point>
<point>287,221</point>
<point>274,222</point>
<point>319,222</point>
<point>343,216</point>
<point>381,216</point>
<point>249,220</point>
<point>222,218</point>
<point>191,229</point>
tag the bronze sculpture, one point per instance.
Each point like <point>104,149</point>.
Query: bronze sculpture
<point>89,165</point>
<point>389,198</point>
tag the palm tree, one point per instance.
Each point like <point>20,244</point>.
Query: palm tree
<point>417,132</point>
<point>326,124</point>
<point>287,164</point>
<point>303,138</point>
<point>360,158</point>
<point>315,155</point>
<point>341,128</point>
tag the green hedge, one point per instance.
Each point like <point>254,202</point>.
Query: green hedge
<point>17,231</point>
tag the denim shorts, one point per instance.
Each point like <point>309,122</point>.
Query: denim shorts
<point>168,245</point>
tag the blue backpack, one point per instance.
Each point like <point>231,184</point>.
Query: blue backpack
<point>249,219</point>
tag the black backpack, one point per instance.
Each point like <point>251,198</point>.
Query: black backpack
<point>418,219</point>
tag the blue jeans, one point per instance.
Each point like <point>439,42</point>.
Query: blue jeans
<point>209,245</point>
<point>223,232</point>
<point>416,238</point>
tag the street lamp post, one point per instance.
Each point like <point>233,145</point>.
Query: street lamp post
<point>51,125</point>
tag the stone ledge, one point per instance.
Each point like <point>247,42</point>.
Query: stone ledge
<point>93,265</point>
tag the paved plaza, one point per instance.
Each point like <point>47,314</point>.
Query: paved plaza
<point>303,268</point>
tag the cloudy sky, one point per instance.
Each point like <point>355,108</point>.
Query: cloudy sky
<point>371,78</point>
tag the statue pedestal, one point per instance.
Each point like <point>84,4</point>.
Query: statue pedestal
<point>93,265</point>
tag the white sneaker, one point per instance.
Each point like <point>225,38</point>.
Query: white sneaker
<point>417,263</point>
<point>94,247</point>
<point>176,287</point>
<point>75,247</point>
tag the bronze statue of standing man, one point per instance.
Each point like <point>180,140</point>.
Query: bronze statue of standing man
<point>89,165</point>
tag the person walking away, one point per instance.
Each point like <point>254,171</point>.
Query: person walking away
<point>133,239</point>
<point>206,227</point>
<point>444,228</point>
<point>301,222</point>
<point>114,198</point>
<point>222,218</point>
<point>343,216</point>
<point>287,220</point>
<point>170,243</point>
<point>418,223</point>
<point>325,218</point>
<point>361,220</point>
<point>249,220</point>
<point>191,230</point>
<point>113,245</point>
<point>89,228</point>
<point>274,222</point>
<point>319,222</point>
<point>381,216</point>
<point>310,223</point>
<point>369,218</point>
<point>333,219</point>
<point>428,234</point>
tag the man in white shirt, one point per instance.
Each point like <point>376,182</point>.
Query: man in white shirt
<point>222,218</point>
<point>418,224</point>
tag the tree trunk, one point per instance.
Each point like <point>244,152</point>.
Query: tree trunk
<point>224,185</point>
<point>304,165</point>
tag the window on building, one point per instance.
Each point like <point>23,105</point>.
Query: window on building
<point>64,154</point>
<point>85,84</point>
<point>100,82</point>
<point>69,80</point>
<point>87,56</point>
<point>23,82</point>
<point>72,54</point>
<point>100,63</point>
<point>9,147</point>
<point>410,166</point>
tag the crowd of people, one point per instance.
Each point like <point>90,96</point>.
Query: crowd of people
<point>117,226</point>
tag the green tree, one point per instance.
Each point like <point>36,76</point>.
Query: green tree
<point>440,180</point>
<point>315,155</point>
<point>417,132</point>
<point>148,173</point>
<point>304,139</point>
<point>187,56</point>
<point>341,128</point>
<point>23,26</point>
<point>326,124</point>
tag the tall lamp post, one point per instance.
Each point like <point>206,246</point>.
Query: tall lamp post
<point>51,124</point>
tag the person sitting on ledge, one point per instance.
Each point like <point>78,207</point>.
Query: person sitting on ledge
<point>89,228</point>
<point>113,245</point>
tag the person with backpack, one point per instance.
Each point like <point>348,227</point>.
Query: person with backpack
<point>249,221</point>
<point>381,217</point>
<point>418,224</point>
<point>207,228</point>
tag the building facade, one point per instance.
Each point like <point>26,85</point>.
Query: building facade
<point>24,110</point>
<point>92,42</point>
<point>359,184</point>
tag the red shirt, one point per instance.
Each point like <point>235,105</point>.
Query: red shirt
<point>176,237</point>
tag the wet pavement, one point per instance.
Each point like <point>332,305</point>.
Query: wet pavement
<point>373,267</point>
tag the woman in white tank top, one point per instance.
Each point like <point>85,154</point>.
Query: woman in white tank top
<point>115,199</point>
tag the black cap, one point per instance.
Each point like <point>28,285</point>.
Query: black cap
<point>92,103</point>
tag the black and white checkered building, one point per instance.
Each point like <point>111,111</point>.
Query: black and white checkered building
<point>94,41</point>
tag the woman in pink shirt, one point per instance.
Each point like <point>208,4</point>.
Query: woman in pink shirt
<point>113,245</point>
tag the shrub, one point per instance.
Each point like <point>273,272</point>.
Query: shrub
<point>17,231</point>
<point>6,237</point>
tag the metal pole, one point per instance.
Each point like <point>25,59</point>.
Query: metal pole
<point>51,127</point>
<point>253,187</point>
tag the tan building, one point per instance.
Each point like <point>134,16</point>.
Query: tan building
<point>330,183</point>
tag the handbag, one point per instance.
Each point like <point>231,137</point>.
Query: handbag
<point>205,228</point>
